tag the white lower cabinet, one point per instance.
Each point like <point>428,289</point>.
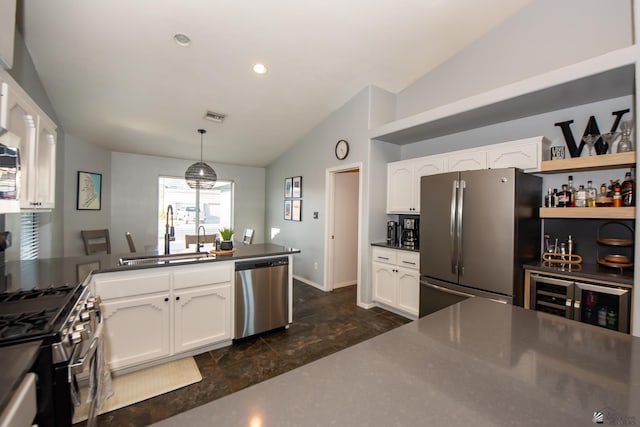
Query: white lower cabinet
<point>137,329</point>
<point>156,313</point>
<point>203,306</point>
<point>396,279</point>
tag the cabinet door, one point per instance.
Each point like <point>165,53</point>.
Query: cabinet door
<point>467,160</point>
<point>523,156</point>
<point>384,283</point>
<point>202,316</point>
<point>45,164</point>
<point>408,292</point>
<point>137,329</point>
<point>425,166</point>
<point>400,187</point>
<point>22,121</point>
<point>4,88</point>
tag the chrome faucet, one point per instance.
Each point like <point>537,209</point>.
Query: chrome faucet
<point>204,238</point>
<point>169,232</point>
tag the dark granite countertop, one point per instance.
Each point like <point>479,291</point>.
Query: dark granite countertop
<point>585,271</point>
<point>16,361</point>
<point>24,275</point>
<point>515,367</point>
<point>400,247</point>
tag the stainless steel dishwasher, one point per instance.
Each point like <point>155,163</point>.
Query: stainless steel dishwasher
<point>262,296</point>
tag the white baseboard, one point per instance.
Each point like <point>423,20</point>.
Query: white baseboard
<point>343,284</point>
<point>309,282</point>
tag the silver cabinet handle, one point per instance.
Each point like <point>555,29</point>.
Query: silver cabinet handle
<point>407,262</point>
<point>569,302</point>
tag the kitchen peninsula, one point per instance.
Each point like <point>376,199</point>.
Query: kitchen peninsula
<point>517,367</point>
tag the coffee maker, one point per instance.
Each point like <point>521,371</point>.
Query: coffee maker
<point>392,233</point>
<point>410,228</point>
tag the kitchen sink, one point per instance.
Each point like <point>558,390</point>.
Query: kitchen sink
<point>167,259</point>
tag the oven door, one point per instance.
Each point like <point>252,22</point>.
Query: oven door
<point>88,362</point>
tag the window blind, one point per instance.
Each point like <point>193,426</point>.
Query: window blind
<point>29,236</point>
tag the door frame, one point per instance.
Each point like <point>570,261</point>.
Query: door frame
<point>330,186</point>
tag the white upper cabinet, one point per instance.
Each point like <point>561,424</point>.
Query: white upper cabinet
<point>7,32</point>
<point>400,187</point>
<point>37,135</point>
<point>403,177</point>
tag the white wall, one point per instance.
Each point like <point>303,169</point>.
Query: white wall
<point>134,200</point>
<point>310,158</point>
<point>543,36</point>
<point>346,229</point>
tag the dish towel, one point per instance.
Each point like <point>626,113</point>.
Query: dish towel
<point>100,386</point>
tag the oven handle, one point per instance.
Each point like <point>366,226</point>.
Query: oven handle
<point>79,362</point>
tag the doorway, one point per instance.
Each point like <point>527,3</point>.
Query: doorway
<point>342,254</point>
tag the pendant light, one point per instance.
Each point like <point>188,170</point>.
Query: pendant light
<point>200,175</point>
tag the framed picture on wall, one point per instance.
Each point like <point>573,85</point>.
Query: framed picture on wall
<point>288,187</point>
<point>89,195</point>
<point>297,187</point>
<point>287,209</point>
<point>296,210</point>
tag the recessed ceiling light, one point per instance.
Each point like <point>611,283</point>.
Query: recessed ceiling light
<point>182,39</point>
<point>260,68</point>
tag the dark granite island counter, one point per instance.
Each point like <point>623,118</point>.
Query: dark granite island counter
<point>477,363</point>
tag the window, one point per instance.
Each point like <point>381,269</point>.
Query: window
<point>215,208</point>
<point>29,236</point>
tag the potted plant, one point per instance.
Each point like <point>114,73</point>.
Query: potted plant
<point>226,234</point>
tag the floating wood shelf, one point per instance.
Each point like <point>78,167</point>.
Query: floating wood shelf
<point>591,213</point>
<point>605,161</point>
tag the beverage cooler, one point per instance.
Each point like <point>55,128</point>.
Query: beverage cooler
<point>598,304</point>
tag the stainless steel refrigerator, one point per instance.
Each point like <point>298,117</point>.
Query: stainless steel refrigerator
<point>477,228</point>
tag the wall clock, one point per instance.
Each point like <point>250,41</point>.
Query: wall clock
<point>342,149</point>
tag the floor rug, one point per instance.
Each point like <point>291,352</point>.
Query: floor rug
<point>145,384</point>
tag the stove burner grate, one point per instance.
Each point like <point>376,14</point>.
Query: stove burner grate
<point>36,293</point>
<point>25,324</point>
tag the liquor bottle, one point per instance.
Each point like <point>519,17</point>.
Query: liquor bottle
<point>628,190</point>
<point>572,190</point>
<point>555,195</point>
<point>581,197</point>
<point>550,199</point>
<point>617,197</point>
<point>603,199</point>
<point>564,197</point>
<point>592,193</point>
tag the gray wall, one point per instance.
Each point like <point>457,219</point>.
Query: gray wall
<point>134,198</point>
<point>543,36</point>
<point>82,156</point>
<point>310,158</point>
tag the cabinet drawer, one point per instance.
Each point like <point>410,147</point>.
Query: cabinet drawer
<point>126,284</point>
<point>386,256</point>
<point>408,259</point>
<point>215,272</point>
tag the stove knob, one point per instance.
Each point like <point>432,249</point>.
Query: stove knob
<point>75,337</point>
<point>90,305</point>
<point>65,331</point>
<point>85,316</point>
<point>72,318</point>
<point>79,327</point>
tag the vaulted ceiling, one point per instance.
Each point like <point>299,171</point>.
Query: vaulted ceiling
<point>117,78</point>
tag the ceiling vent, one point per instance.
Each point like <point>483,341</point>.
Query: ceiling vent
<point>214,117</point>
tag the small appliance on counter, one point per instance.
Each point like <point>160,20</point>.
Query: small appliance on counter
<point>392,233</point>
<point>410,232</point>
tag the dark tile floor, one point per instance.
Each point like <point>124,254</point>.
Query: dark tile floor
<point>323,323</point>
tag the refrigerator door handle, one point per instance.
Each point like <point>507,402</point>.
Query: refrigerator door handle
<point>459,231</point>
<point>452,228</point>
<point>447,290</point>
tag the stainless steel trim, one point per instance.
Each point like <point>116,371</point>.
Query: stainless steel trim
<point>447,290</point>
<point>452,225</point>
<point>460,205</point>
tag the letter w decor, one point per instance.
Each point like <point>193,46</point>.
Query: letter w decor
<point>591,129</point>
